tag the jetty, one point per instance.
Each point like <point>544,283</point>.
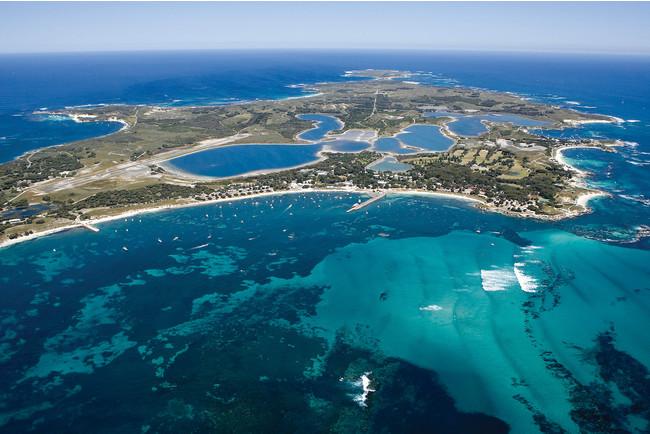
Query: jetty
<point>90,227</point>
<point>373,199</point>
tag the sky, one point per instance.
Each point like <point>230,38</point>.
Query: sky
<point>511,26</point>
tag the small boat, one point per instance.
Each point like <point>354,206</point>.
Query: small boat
<point>159,240</point>
<point>125,248</point>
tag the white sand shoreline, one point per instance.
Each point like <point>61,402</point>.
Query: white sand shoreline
<point>154,209</point>
<point>557,156</point>
<point>582,200</point>
<point>580,175</point>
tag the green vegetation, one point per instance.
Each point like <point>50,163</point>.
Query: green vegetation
<point>507,167</point>
<point>38,167</point>
<point>144,195</point>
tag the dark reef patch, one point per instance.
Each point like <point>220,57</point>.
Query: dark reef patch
<point>512,236</point>
<point>595,405</point>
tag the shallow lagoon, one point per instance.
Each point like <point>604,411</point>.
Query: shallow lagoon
<point>324,124</point>
<point>426,137</point>
<point>237,160</point>
<point>472,125</point>
<point>345,146</point>
<point>392,145</point>
<point>224,316</point>
<point>389,164</point>
<point>242,159</point>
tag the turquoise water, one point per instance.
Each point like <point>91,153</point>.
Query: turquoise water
<point>263,315</point>
<point>472,125</point>
<point>623,174</point>
<point>290,300</point>
<point>427,137</point>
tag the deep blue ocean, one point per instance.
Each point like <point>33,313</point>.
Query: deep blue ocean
<point>267,314</point>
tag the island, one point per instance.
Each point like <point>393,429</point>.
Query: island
<point>505,165</point>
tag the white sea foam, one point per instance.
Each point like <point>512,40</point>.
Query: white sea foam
<point>365,384</point>
<point>307,95</point>
<point>85,106</point>
<point>527,283</point>
<point>632,121</point>
<point>57,118</point>
<point>431,308</point>
<point>497,279</point>
<point>639,199</point>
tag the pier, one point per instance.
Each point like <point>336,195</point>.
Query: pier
<point>90,227</point>
<point>373,199</point>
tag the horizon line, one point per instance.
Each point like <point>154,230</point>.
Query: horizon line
<point>335,49</point>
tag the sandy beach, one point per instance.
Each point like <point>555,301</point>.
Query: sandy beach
<point>153,209</point>
<point>557,156</point>
<point>579,178</point>
<point>355,135</point>
<point>583,199</point>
